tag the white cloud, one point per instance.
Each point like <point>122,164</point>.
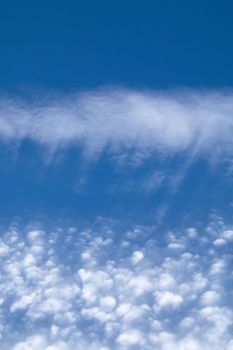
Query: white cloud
<point>137,256</point>
<point>228,235</point>
<point>210,297</point>
<point>168,300</point>
<point>119,120</point>
<point>132,337</point>
<point>52,298</point>
<point>107,303</point>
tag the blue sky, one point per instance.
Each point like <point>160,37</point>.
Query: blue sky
<point>85,44</point>
<point>116,123</point>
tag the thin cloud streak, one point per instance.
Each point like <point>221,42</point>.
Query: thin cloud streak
<point>120,120</point>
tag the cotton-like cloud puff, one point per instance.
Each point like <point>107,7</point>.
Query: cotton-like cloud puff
<point>117,120</point>
<point>106,288</point>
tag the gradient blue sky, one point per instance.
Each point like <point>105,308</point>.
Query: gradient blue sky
<point>116,150</point>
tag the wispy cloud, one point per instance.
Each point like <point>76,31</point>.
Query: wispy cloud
<point>120,120</point>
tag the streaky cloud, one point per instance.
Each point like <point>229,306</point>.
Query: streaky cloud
<point>120,120</point>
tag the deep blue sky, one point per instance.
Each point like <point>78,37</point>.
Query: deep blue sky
<point>79,44</point>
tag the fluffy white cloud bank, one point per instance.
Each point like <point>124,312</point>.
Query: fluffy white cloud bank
<point>119,120</point>
<point>66,289</point>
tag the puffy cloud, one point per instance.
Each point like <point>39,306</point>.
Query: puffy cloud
<point>210,298</point>
<point>169,300</point>
<point>63,289</point>
<point>137,256</point>
<point>131,337</point>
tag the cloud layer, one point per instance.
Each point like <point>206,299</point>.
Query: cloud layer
<point>107,288</point>
<point>119,120</point>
